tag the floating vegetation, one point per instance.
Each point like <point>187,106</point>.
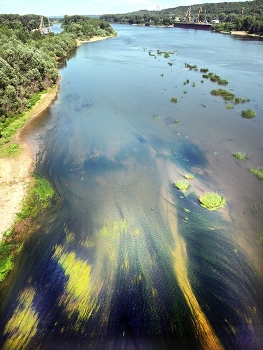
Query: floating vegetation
<point>241,100</point>
<point>189,176</point>
<point>170,63</point>
<point>205,76</point>
<point>185,92</point>
<point>186,82</point>
<point>248,113</point>
<point>174,99</point>
<point>227,95</point>
<point>212,201</point>
<point>240,155</point>
<point>258,172</point>
<point>182,184</point>
<point>228,106</point>
<point>202,81</point>
<point>161,75</point>
<point>78,286</point>
<point>204,70</point>
<point>38,199</point>
<point>22,326</point>
<point>222,82</point>
<point>187,65</point>
<point>193,84</point>
<point>176,121</point>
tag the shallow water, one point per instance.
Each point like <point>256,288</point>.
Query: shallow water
<point>124,260</point>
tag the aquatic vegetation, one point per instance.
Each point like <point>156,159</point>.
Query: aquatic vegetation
<point>228,106</point>
<point>204,70</point>
<point>212,201</point>
<point>193,84</point>
<point>205,76</point>
<point>182,184</point>
<point>240,155</point>
<point>166,54</point>
<point>23,324</point>
<point>174,99</point>
<point>186,82</point>
<point>228,96</point>
<point>38,199</point>
<point>241,100</point>
<point>191,66</point>
<point>222,82</point>
<point>12,150</point>
<point>248,113</point>
<point>78,286</point>
<point>189,176</point>
<point>258,172</point>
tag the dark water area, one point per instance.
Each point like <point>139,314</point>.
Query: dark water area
<point>123,259</point>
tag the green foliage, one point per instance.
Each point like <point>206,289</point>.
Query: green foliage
<point>182,184</point>
<point>204,70</point>
<point>258,172</point>
<point>228,106</point>
<point>39,198</point>
<point>6,259</point>
<point>191,67</point>
<point>241,100</point>
<point>84,28</point>
<point>174,99</point>
<point>12,150</point>
<point>240,155</point>
<point>248,113</point>
<point>228,96</point>
<point>212,201</point>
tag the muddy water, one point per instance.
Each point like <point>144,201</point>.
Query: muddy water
<point>124,260</point>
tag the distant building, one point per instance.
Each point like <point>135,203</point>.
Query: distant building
<point>215,21</point>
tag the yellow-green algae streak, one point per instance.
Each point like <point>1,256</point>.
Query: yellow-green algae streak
<point>22,326</point>
<point>203,330</point>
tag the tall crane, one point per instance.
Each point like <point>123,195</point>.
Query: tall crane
<point>187,15</point>
<point>42,28</point>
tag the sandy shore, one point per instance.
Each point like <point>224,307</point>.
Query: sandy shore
<point>15,173</point>
<point>241,32</point>
<point>95,38</point>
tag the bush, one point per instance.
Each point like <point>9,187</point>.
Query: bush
<point>212,201</point>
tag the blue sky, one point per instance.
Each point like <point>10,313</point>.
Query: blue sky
<point>83,7</point>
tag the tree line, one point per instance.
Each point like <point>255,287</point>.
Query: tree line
<point>28,59</point>
<point>246,16</point>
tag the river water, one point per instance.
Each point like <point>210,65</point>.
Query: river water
<point>123,259</point>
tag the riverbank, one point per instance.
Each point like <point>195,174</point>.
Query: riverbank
<point>16,172</point>
<point>95,38</point>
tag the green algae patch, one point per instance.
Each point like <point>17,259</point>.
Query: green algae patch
<point>240,155</point>
<point>212,201</point>
<point>182,185</point>
<point>78,291</point>
<point>22,326</point>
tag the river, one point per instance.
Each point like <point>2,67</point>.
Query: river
<point>123,259</point>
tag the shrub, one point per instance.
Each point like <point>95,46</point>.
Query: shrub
<point>182,184</point>
<point>212,201</point>
<point>248,113</point>
<point>12,150</point>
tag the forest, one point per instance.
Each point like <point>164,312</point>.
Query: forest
<point>247,16</point>
<point>28,59</point>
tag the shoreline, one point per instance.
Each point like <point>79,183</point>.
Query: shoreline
<point>16,172</point>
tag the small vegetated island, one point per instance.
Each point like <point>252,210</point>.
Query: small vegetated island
<point>28,69</point>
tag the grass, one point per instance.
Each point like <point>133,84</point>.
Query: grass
<point>12,150</point>
<point>248,113</point>
<point>228,106</point>
<point>212,201</point>
<point>174,99</point>
<point>182,184</point>
<point>38,199</point>
<point>258,172</point>
<point>240,155</point>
